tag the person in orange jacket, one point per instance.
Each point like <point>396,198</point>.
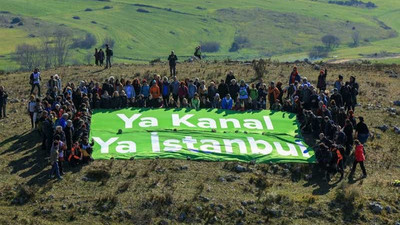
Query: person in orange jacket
<point>273,93</point>
<point>155,91</point>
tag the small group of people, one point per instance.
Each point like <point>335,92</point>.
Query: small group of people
<point>99,56</point>
<point>327,115</point>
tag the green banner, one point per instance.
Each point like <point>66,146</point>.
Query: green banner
<point>212,135</point>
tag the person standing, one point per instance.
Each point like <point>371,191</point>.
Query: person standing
<point>321,85</point>
<point>197,52</point>
<point>54,155</point>
<point>359,159</point>
<point>35,80</point>
<point>362,131</point>
<point>96,57</point>
<point>3,102</point>
<point>109,54</point>
<point>101,57</point>
<point>294,76</point>
<point>172,63</point>
<point>273,94</point>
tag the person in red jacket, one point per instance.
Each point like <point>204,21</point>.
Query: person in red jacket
<point>359,158</point>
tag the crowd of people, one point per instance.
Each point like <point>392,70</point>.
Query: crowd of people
<point>63,115</point>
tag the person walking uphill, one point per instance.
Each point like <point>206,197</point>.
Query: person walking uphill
<point>359,159</point>
<point>172,63</point>
<point>109,54</point>
<point>34,80</point>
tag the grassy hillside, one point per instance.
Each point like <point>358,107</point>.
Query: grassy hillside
<point>286,30</point>
<point>176,191</point>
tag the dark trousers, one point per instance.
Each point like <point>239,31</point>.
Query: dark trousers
<point>33,88</point>
<point>108,61</point>
<point>1,110</point>
<point>353,169</point>
<point>60,168</point>
<point>166,100</point>
<point>101,62</point>
<point>96,61</point>
<point>172,70</point>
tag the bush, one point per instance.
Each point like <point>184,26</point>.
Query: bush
<point>87,43</point>
<point>76,17</point>
<point>88,10</point>
<point>143,11</point>
<point>210,46</point>
<point>330,41</point>
<point>15,20</point>
<point>318,52</point>
<point>107,7</point>
<point>238,43</point>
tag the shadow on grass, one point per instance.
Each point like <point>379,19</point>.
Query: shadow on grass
<point>29,160</point>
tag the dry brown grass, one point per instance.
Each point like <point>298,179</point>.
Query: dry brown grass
<point>137,183</point>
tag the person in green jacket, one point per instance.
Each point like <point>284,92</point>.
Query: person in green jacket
<point>195,102</point>
<point>253,92</point>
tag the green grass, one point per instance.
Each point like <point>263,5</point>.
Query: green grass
<point>284,29</point>
<point>150,191</point>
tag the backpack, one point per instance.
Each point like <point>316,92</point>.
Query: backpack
<point>111,53</point>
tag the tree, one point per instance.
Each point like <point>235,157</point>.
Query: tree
<point>62,40</point>
<point>356,36</point>
<point>47,52</point>
<point>318,52</point>
<point>260,67</point>
<point>330,41</point>
<point>27,56</point>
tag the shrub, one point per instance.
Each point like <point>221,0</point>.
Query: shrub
<point>238,43</point>
<point>88,10</point>
<point>88,42</point>
<point>107,7</point>
<point>210,46</point>
<point>76,17</point>
<point>318,52</point>
<point>330,41</point>
<point>143,11</point>
<point>15,20</point>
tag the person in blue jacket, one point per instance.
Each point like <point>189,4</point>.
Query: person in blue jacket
<point>227,102</point>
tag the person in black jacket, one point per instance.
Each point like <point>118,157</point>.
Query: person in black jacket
<point>3,102</point>
<point>69,131</point>
<point>172,63</point>
<point>48,131</point>
<point>234,89</point>
<point>96,57</point>
<point>101,57</point>
<point>109,54</point>
<point>230,76</point>
<point>337,97</point>
<point>223,89</point>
